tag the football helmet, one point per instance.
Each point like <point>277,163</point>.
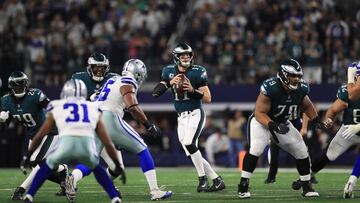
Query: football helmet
<point>98,66</point>
<point>18,84</point>
<point>74,88</point>
<point>287,68</point>
<point>183,48</point>
<point>135,68</point>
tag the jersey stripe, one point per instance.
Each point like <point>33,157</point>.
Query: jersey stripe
<point>130,81</point>
<point>131,132</point>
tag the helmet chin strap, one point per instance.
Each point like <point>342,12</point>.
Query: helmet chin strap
<point>19,95</point>
<point>185,65</point>
<point>293,87</point>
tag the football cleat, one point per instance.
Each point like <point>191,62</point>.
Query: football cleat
<point>70,189</point>
<point>160,195</point>
<point>116,200</point>
<point>62,175</point>
<point>348,190</point>
<point>296,185</point>
<point>19,191</point>
<point>218,185</point>
<point>308,191</point>
<point>270,180</point>
<point>244,195</point>
<point>243,189</point>
<point>28,199</point>
<point>203,184</point>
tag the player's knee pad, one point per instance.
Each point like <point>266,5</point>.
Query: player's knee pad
<point>191,148</point>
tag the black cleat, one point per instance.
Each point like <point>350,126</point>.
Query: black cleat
<point>243,188</point>
<point>19,191</point>
<point>270,181</point>
<point>218,185</point>
<point>62,176</point>
<point>296,185</point>
<point>203,184</point>
<point>308,191</point>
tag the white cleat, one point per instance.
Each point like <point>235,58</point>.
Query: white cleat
<point>244,195</point>
<point>348,190</point>
<point>310,194</point>
<point>160,195</point>
<point>70,189</point>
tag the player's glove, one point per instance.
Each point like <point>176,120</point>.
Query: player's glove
<point>119,172</point>
<point>152,129</point>
<point>353,71</point>
<point>318,124</point>
<point>350,131</point>
<point>280,128</point>
<point>4,115</point>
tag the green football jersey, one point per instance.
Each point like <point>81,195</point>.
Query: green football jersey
<point>29,110</point>
<point>352,112</point>
<point>92,86</point>
<point>198,78</point>
<point>284,105</point>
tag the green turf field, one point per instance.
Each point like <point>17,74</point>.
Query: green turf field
<point>182,181</point>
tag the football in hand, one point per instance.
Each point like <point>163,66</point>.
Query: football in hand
<point>179,89</point>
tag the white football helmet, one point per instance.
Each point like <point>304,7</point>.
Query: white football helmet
<point>135,68</point>
<point>74,88</point>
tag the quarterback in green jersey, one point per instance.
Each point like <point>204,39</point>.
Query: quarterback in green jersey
<point>188,105</point>
<point>27,106</point>
<point>280,98</point>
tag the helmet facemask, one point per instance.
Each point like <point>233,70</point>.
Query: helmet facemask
<point>18,84</point>
<point>180,54</point>
<point>136,69</point>
<point>290,74</point>
<point>98,66</point>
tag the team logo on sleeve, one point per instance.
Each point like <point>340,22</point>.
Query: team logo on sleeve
<point>171,76</point>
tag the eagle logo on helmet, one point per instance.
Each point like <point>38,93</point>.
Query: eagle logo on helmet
<point>289,67</point>
<point>18,84</point>
<point>98,66</point>
<point>183,48</point>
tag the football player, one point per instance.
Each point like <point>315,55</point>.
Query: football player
<point>94,78</point>
<point>77,121</point>
<point>119,94</point>
<point>279,98</point>
<point>345,136</point>
<point>191,116</point>
<point>27,106</point>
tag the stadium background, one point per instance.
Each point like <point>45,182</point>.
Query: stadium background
<point>239,41</point>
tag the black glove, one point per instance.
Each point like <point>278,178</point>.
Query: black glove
<point>318,124</point>
<point>152,129</point>
<point>278,127</point>
<point>120,172</point>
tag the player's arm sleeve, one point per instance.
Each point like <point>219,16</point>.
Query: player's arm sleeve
<point>162,86</point>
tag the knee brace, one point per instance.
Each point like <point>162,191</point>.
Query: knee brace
<point>191,148</point>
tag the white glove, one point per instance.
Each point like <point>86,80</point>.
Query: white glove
<point>4,115</point>
<point>351,130</point>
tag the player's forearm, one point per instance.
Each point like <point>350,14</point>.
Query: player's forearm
<point>262,118</point>
<point>138,114</point>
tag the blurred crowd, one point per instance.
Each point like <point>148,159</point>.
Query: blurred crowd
<point>239,41</point>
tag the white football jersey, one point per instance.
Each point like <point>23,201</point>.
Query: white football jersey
<point>75,117</point>
<point>110,98</point>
